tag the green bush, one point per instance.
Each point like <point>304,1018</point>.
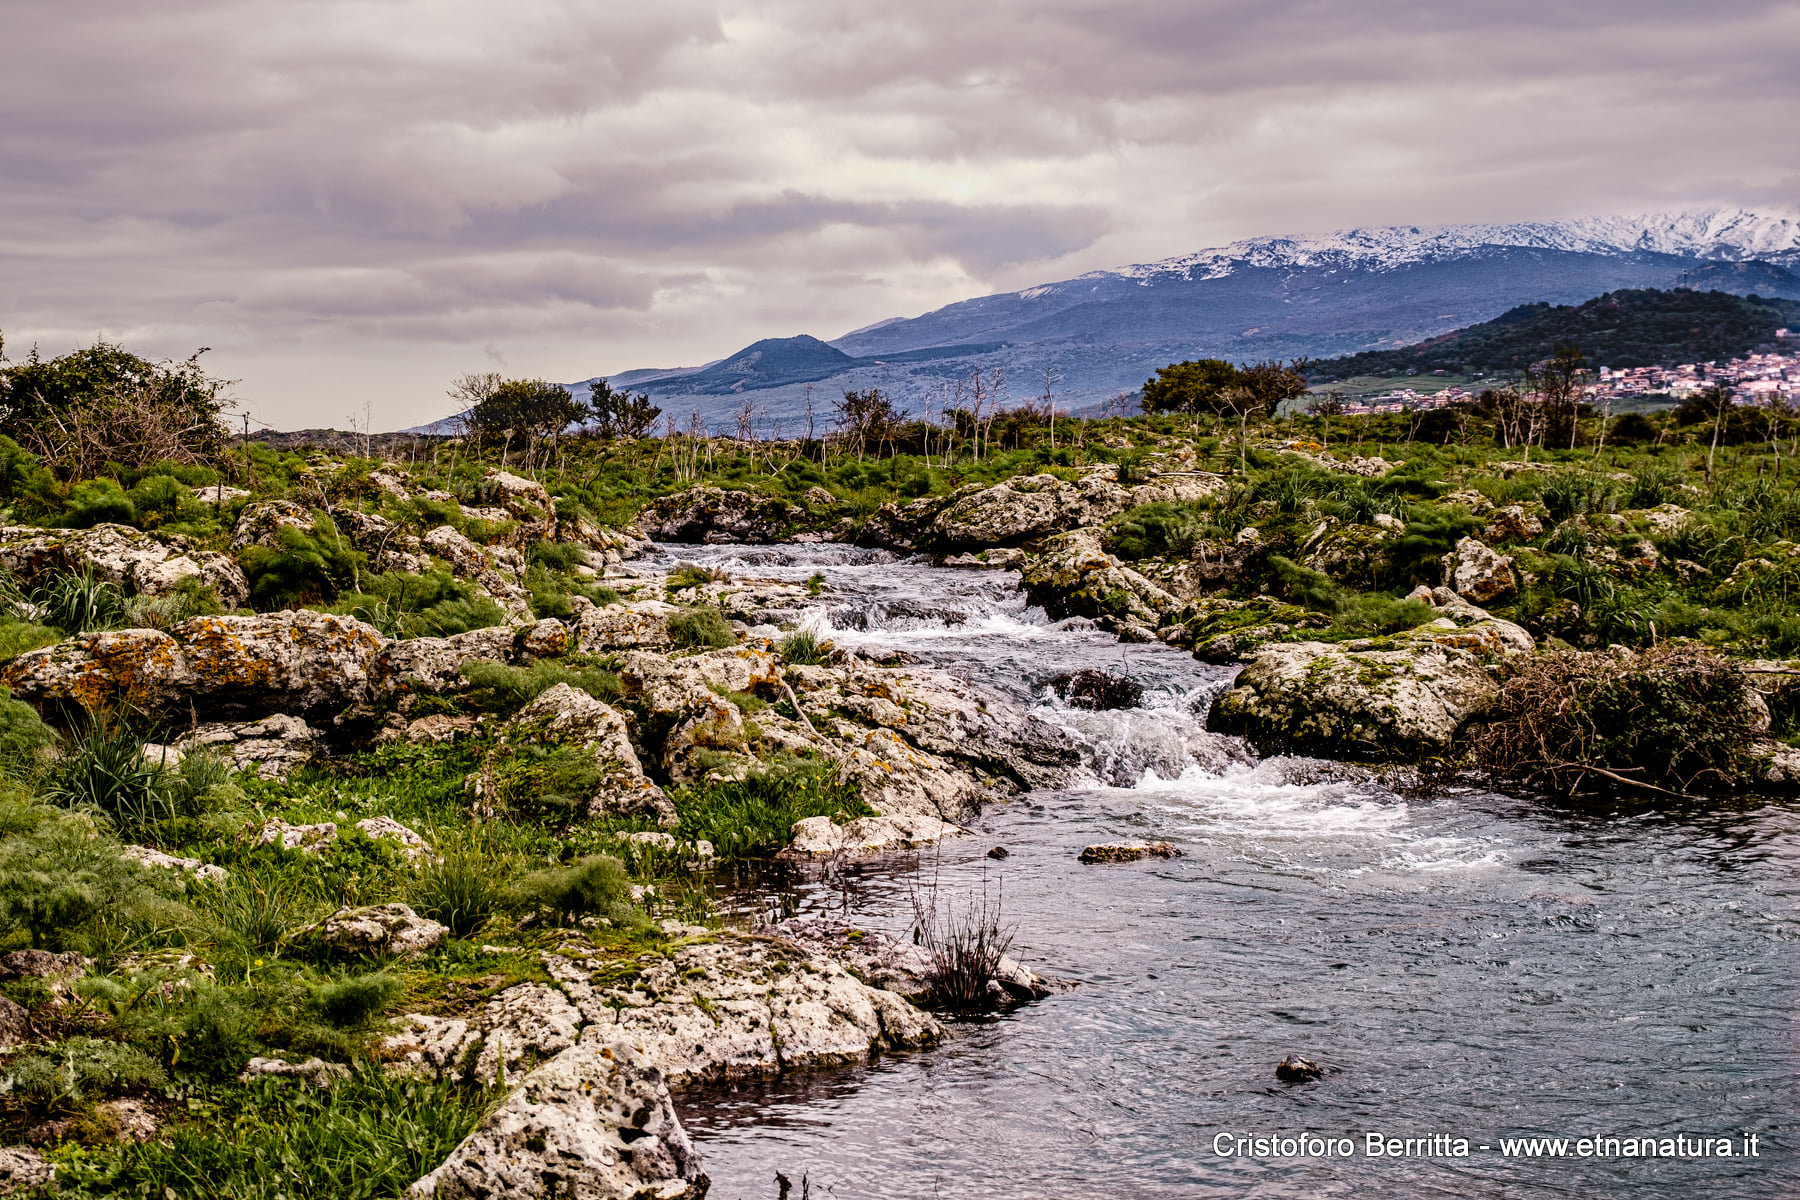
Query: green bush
<point>557,556</point>
<point>218,1033</point>
<point>79,602</point>
<point>24,738</point>
<point>106,772</point>
<point>67,889</point>
<point>357,1000</point>
<point>596,886</point>
<point>462,891</point>
<point>1160,530</point>
<point>98,501</point>
<point>702,628</point>
<point>1655,484</point>
<point>494,685</point>
<point>307,567</point>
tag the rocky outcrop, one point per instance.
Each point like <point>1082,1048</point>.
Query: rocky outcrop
<point>638,625</point>
<point>381,930</point>
<point>1073,575</point>
<point>314,1071</point>
<point>1379,699</point>
<point>23,1169</point>
<point>433,666</point>
<point>1023,509</point>
<point>145,563</point>
<point>709,1006</point>
<point>713,515</point>
<point>1348,553</point>
<point>261,523</point>
<point>272,747</point>
<point>593,1123</point>
<point>294,662</point>
<point>900,965</point>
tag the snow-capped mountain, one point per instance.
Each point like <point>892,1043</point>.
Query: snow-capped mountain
<point>1726,234</point>
<point>1318,295</point>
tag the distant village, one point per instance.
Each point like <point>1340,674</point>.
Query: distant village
<point>1755,379</point>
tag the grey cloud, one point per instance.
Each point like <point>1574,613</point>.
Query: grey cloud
<point>412,181</point>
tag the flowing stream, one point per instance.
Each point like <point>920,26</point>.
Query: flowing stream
<point>1465,965</point>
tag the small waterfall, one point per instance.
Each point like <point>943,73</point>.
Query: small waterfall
<point>1164,738</point>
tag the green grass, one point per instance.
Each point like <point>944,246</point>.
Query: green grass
<point>755,816</point>
<point>366,1137</point>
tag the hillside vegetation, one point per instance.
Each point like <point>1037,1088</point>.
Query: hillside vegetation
<point>1639,327</point>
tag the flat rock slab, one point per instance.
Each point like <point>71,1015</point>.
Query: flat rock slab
<point>1112,852</point>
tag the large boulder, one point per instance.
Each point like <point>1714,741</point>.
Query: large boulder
<point>261,523</point>
<point>1392,698</point>
<point>1312,698</point>
<point>714,515</point>
<point>1480,574</point>
<point>593,1123</point>
<point>145,563</point>
<point>1026,508</point>
<point>294,662</point>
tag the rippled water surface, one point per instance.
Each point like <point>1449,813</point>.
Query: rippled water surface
<point>1463,964</point>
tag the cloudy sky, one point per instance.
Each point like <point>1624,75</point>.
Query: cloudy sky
<point>355,202</point>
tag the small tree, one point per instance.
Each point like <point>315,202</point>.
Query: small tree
<point>527,411</point>
<point>1197,386</point>
<point>620,414</point>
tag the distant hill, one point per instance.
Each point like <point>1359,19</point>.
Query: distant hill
<point>1634,327</point>
<point>1367,289</point>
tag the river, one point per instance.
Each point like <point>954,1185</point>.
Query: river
<point>1465,965</point>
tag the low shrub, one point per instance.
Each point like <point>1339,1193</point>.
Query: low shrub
<point>804,649</point>
<point>1668,720</point>
<point>594,886</point>
<point>79,1069</point>
<point>703,628</point>
<point>106,772</point>
<point>24,738</point>
<point>462,891</point>
<point>357,1000</point>
<point>79,602</point>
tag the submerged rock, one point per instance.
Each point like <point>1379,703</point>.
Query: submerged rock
<point>1112,852</point>
<point>1097,690</point>
<point>819,837</point>
<point>593,1123</point>
<point>1294,1069</point>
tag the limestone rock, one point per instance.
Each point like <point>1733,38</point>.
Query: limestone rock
<point>150,564</point>
<point>593,1123</point>
<point>23,1169</point>
<point>639,625</point>
<point>569,716</point>
<point>308,839</point>
<point>1480,574</point>
<point>433,666</point>
<point>149,857</point>
<point>315,1071</point>
<point>818,837</point>
<point>1512,523</point>
<point>412,847</point>
<point>1348,553</point>
<point>1024,508</point>
<point>1073,575</point>
<point>292,662</point>
<point>261,523</point>
<point>272,747</point>
<point>380,929</point>
<point>1110,852</point>
<point>15,1023</point>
